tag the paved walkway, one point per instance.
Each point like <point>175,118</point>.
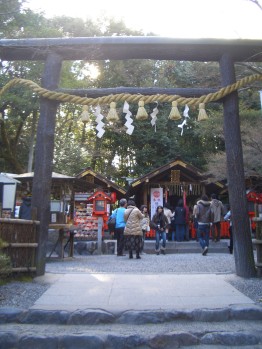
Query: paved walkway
<point>120,292</point>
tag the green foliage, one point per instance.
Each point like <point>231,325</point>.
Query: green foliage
<point>116,154</point>
<point>5,263</point>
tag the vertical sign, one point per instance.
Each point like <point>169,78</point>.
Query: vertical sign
<point>156,199</point>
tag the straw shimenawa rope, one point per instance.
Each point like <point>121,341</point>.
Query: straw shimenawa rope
<point>67,98</point>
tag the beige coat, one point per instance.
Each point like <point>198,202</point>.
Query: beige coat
<point>133,218</point>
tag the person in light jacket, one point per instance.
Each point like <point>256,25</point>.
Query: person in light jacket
<point>218,213</point>
<point>204,218</point>
<point>133,231</point>
<point>144,222</point>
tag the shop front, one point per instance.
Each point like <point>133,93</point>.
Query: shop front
<point>170,183</point>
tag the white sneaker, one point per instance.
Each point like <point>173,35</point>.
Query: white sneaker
<point>205,251</point>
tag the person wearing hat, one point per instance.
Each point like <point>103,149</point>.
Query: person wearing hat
<point>118,214</point>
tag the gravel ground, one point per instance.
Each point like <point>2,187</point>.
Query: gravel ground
<point>23,294</point>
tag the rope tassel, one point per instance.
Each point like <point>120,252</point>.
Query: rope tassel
<point>112,114</point>
<point>141,113</point>
<point>202,113</point>
<point>85,117</point>
<point>174,114</point>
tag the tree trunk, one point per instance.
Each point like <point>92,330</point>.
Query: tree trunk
<point>243,250</point>
<point>44,157</point>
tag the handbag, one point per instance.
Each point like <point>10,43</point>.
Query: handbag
<point>111,223</point>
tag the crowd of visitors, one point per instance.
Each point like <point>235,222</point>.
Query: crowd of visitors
<point>133,223</point>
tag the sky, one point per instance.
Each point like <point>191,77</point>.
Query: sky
<point>235,19</point>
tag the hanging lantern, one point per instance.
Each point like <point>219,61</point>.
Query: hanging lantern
<point>141,113</point>
<point>112,114</point>
<point>85,117</point>
<point>202,113</point>
<point>174,114</point>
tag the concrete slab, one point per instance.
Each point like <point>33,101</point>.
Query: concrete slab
<point>120,292</point>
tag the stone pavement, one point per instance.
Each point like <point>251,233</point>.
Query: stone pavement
<point>121,310</point>
<point>125,311</point>
<point>121,292</point>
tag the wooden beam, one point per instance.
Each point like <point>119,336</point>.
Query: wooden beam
<point>127,47</point>
<point>100,92</point>
<point>22,244</point>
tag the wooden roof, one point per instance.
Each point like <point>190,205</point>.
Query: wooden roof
<point>101,181</point>
<point>78,184</point>
<point>131,47</point>
<point>189,174</point>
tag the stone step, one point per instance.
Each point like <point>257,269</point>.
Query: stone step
<point>188,247</point>
<point>238,326</point>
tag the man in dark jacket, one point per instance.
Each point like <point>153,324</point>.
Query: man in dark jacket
<point>25,208</point>
<point>204,218</point>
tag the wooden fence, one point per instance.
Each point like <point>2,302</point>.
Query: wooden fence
<point>20,237</point>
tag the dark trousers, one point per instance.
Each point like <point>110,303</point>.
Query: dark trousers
<point>119,234</point>
<point>230,239</point>
<point>216,229</point>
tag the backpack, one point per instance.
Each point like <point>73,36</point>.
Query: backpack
<point>111,223</point>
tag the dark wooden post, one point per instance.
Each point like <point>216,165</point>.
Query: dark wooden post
<point>44,157</point>
<point>243,251</point>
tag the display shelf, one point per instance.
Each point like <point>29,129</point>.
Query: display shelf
<point>84,220</point>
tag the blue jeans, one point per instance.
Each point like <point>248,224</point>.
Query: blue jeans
<point>160,235</point>
<point>203,234</point>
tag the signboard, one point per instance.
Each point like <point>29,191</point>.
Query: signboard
<point>156,198</point>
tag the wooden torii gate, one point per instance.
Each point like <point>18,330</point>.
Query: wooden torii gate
<point>226,52</point>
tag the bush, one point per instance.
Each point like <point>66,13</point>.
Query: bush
<point>5,262</point>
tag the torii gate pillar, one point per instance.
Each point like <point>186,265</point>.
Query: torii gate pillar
<point>235,170</point>
<point>44,156</point>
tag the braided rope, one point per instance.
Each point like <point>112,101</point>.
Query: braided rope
<point>64,97</point>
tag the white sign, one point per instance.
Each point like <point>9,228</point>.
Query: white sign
<point>156,195</point>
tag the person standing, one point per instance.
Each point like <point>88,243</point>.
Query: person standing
<point>25,211</point>
<point>218,212</point>
<point>169,214</point>
<point>195,222</point>
<point>187,235</point>
<point>228,217</point>
<point>204,218</point>
<point>133,231</point>
<point>180,221</point>
<point>118,214</point>
<point>160,223</point>
<point>144,222</point>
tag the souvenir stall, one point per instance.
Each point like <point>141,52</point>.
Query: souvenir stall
<point>62,188</point>
<point>8,187</point>
<point>87,211</point>
<point>253,199</point>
